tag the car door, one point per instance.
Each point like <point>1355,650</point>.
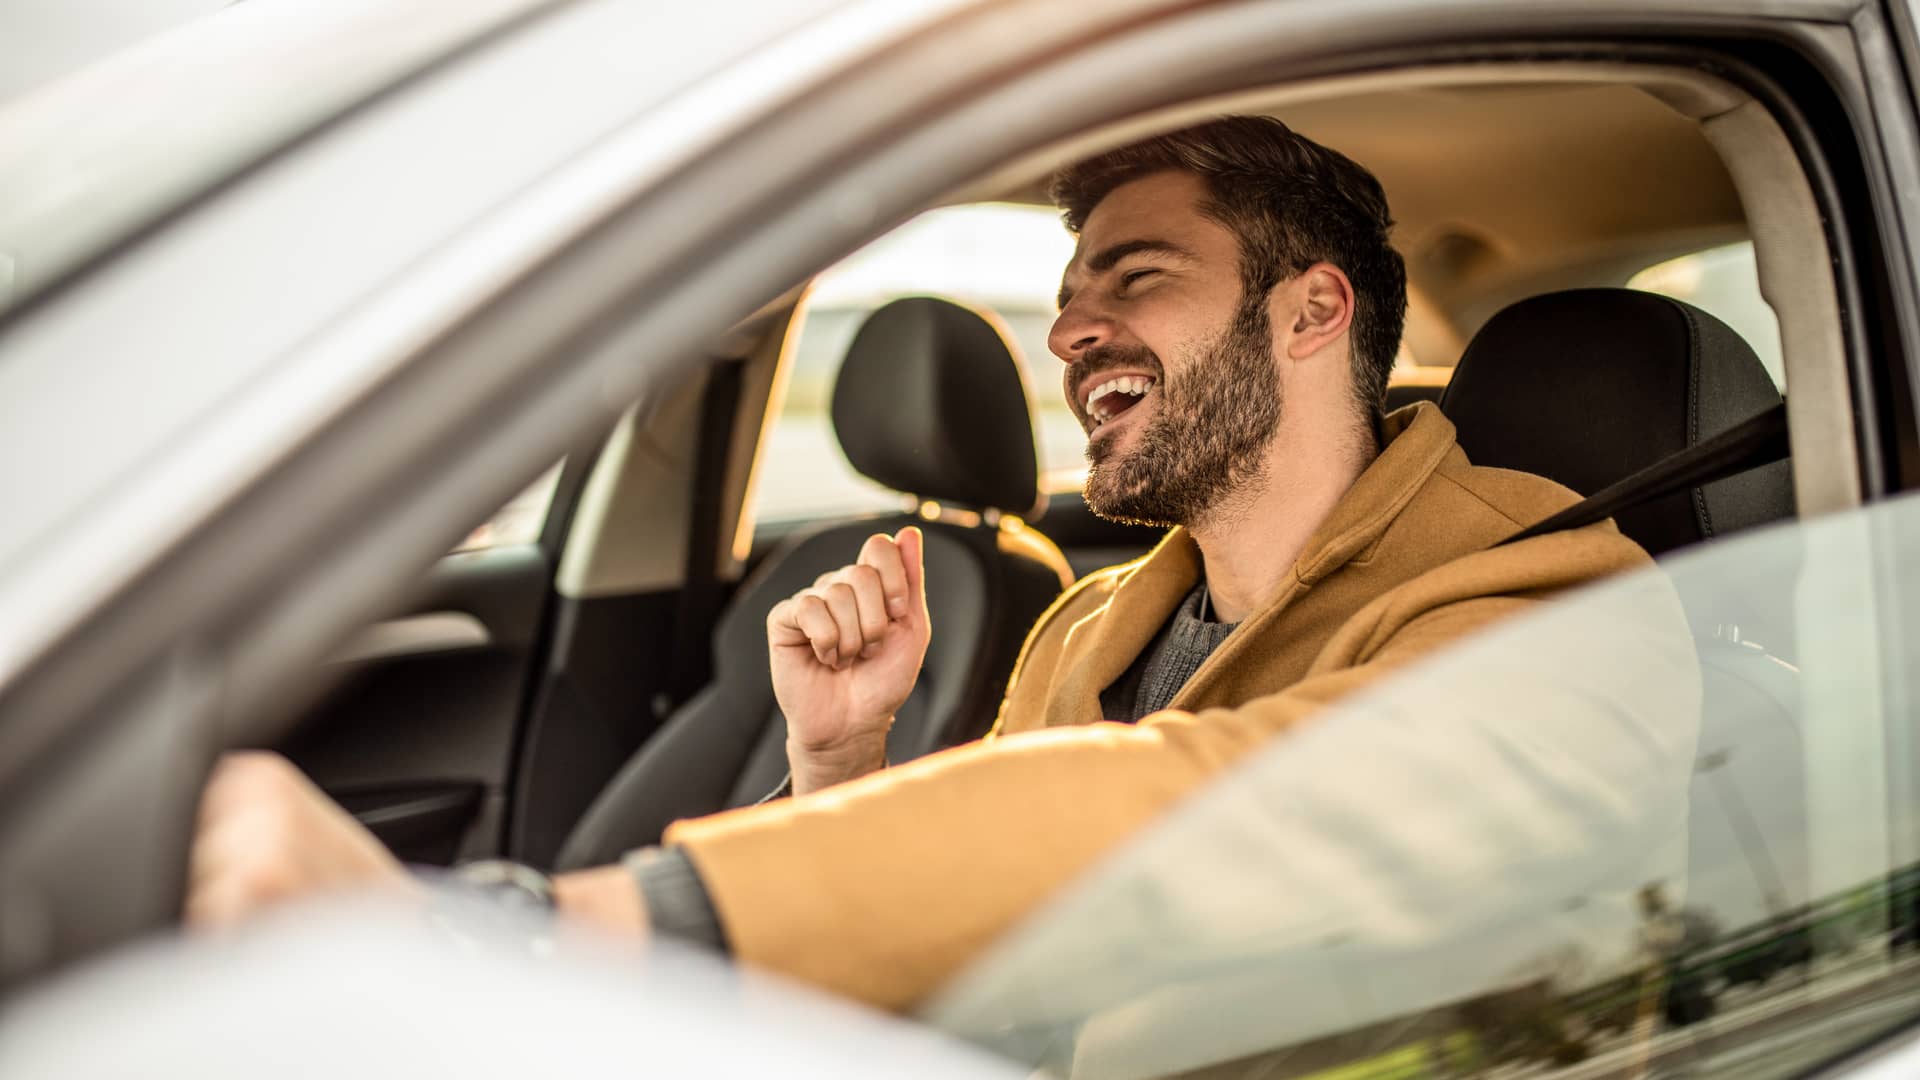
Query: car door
<point>540,654</point>
<point>419,735</point>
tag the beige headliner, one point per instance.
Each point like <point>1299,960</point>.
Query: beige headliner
<point>1548,178</point>
<point>1505,190</point>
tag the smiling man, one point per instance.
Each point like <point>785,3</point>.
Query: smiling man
<point>1227,326</point>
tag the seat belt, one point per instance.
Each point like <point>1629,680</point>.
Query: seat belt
<point>1760,440</point>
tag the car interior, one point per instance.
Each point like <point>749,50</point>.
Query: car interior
<point>562,699</point>
<point>931,401</point>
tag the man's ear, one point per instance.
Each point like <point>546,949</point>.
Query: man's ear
<point>1323,309</point>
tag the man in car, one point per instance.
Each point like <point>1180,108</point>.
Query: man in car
<point>1227,326</point>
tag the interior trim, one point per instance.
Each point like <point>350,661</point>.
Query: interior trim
<point>435,631</point>
<point>630,529</point>
<point>763,390</point>
<point>1795,279</point>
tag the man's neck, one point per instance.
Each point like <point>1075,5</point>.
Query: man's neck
<point>1250,546</point>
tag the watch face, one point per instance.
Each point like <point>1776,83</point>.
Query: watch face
<point>494,903</point>
<point>521,888</point>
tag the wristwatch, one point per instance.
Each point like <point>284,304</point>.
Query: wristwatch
<point>514,886</point>
<point>491,903</point>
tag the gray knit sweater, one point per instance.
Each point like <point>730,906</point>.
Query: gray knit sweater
<point>1165,665</point>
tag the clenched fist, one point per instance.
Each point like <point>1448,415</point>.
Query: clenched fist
<point>267,835</point>
<point>845,655</point>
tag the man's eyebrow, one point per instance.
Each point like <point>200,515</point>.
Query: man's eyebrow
<point>1109,256</point>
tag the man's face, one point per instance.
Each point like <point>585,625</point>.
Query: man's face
<point>1152,302</point>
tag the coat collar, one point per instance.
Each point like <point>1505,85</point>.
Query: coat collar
<point>1108,640</point>
<point>1418,438</point>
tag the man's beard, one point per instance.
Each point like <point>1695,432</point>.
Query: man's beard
<point>1208,438</point>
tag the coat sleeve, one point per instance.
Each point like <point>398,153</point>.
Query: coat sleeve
<point>884,888</point>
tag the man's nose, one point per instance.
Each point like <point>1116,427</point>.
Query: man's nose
<point>1079,327</point>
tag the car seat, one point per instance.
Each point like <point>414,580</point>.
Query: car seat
<point>1591,385</point>
<point>929,401</point>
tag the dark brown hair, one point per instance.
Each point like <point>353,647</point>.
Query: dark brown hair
<point>1292,203</point>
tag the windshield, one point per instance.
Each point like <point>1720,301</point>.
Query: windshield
<point>94,156</point>
<point>1624,837</point>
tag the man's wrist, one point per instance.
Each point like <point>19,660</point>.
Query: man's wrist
<point>820,767</point>
<point>605,896</point>
<point>676,898</point>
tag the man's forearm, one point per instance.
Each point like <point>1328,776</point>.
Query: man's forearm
<point>823,767</point>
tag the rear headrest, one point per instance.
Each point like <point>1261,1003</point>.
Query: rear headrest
<point>931,402</point>
<point>1588,386</point>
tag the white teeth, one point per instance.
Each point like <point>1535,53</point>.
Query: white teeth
<point>1136,385</point>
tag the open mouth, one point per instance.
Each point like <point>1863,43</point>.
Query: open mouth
<point>1108,400</point>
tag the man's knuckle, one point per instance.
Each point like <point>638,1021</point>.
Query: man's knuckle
<point>269,826</point>
<point>263,765</point>
<point>261,777</point>
<point>234,774</point>
<point>269,879</point>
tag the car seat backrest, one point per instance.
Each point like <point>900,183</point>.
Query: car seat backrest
<point>930,401</point>
<point>1590,385</point>
<point>950,424</point>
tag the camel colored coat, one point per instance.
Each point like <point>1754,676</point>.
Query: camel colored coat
<point>883,888</point>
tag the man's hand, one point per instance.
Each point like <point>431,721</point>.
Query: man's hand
<point>845,655</point>
<point>267,835</point>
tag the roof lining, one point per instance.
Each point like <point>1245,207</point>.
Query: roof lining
<point>1693,94</point>
<point>1495,230</point>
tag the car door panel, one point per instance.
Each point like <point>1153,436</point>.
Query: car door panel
<point>418,739</point>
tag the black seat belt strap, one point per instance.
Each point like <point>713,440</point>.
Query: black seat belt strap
<point>1761,440</point>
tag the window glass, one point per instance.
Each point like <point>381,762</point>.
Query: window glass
<point>1612,838</point>
<point>518,522</point>
<point>1003,259</point>
<point>1725,283</point>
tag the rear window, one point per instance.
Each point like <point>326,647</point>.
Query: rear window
<point>1725,283</point>
<point>1004,260</point>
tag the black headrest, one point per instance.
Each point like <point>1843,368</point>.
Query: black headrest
<point>1588,386</point>
<point>931,401</point>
